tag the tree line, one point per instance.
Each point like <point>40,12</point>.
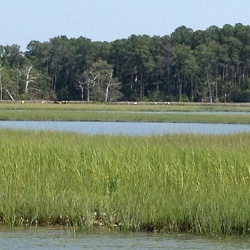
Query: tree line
<point>211,65</point>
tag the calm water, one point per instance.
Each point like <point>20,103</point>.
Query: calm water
<point>56,239</point>
<point>130,128</point>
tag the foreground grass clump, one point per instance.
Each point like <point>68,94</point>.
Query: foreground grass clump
<point>172,183</point>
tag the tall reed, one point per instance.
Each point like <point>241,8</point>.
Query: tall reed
<point>182,183</point>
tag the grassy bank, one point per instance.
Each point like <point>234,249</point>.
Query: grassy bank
<point>171,183</point>
<point>126,106</point>
<point>133,113</point>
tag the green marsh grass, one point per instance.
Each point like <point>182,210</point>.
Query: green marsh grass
<point>132,113</point>
<point>83,106</point>
<point>171,183</point>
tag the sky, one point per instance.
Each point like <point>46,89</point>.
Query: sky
<point>107,20</point>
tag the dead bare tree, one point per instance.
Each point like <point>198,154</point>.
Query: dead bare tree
<point>28,78</point>
<point>109,84</point>
<point>1,86</point>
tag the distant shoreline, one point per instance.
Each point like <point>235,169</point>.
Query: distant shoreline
<point>227,104</point>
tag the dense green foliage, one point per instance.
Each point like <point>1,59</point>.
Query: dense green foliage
<point>209,66</point>
<point>182,183</point>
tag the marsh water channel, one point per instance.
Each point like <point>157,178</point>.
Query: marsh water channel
<point>127,128</point>
<point>64,239</point>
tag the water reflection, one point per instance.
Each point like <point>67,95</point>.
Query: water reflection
<point>62,239</point>
<point>129,128</point>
